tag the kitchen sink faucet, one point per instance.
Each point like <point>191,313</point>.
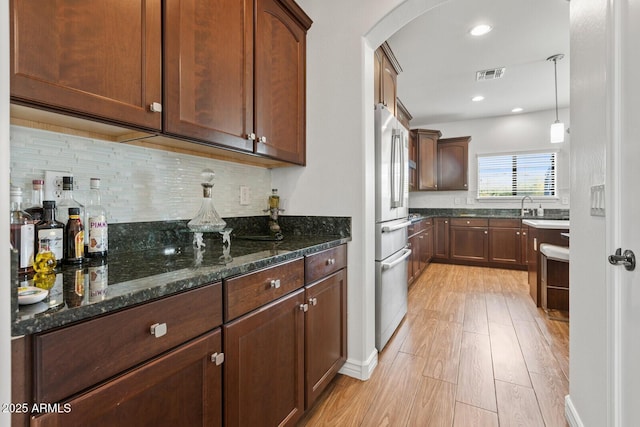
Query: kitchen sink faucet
<point>524,211</point>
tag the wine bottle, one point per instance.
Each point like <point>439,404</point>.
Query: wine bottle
<point>22,232</point>
<point>35,209</point>
<point>50,232</point>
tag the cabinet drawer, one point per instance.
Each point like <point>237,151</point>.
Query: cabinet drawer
<point>250,291</point>
<point>469,222</point>
<point>71,359</point>
<point>504,222</point>
<point>324,263</point>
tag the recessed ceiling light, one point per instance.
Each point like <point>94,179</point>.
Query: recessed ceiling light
<point>477,98</point>
<point>516,110</point>
<point>480,30</point>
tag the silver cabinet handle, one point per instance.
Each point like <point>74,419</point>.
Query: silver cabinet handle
<point>158,329</point>
<point>251,136</point>
<point>313,301</point>
<point>155,107</point>
<point>275,284</point>
<point>517,233</point>
<point>263,139</point>
<point>486,232</point>
<point>446,222</point>
<point>217,358</point>
<point>304,307</point>
<point>331,261</point>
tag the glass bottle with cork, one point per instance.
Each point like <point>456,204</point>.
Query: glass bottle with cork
<point>96,226</point>
<point>35,209</point>
<point>50,232</point>
<point>22,232</point>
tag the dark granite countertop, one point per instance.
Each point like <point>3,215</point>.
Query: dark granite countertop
<point>139,276</point>
<point>417,214</point>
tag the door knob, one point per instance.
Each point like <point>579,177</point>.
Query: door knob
<point>628,259</point>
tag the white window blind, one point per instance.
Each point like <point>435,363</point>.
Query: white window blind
<point>517,175</point>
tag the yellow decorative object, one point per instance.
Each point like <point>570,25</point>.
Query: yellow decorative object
<point>44,280</point>
<point>45,262</point>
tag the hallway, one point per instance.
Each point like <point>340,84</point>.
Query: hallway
<point>473,350</point>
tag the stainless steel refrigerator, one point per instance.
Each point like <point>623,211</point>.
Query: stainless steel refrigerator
<point>392,211</point>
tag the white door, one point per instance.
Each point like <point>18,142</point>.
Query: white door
<point>624,222</point>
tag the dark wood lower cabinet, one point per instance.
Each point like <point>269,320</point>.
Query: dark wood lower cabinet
<point>325,333</point>
<point>441,238</point>
<point>505,244</point>
<point>469,243</point>
<point>181,388</point>
<point>264,365</point>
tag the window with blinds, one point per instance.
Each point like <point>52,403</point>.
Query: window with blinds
<point>517,175</point>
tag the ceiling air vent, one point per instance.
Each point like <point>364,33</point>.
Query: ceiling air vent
<point>491,74</point>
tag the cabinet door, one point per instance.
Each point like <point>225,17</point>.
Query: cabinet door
<point>280,58</point>
<point>264,365</point>
<point>325,333</point>
<point>93,58</point>
<point>181,388</point>
<point>427,246</point>
<point>413,264</point>
<point>441,238</point>
<point>532,266</point>
<point>453,163</point>
<point>469,243</point>
<point>413,161</point>
<point>208,65</point>
<point>389,85</point>
<point>504,245</point>
<point>428,159</point>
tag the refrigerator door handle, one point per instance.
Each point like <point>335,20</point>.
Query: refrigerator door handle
<point>390,265</point>
<point>396,171</point>
<point>396,227</point>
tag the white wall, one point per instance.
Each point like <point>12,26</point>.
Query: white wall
<point>590,44</point>
<point>339,177</point>
<point>137,183</point>
<point>517,132</point>
<point>5,307</point>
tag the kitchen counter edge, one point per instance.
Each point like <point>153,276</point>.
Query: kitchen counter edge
<point>140,291</point>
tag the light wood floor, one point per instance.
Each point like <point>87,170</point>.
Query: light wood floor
<point>473,350</point>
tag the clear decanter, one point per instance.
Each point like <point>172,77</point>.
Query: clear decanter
<point>207,220</point>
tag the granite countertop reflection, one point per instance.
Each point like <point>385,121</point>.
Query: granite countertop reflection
<point>137,277</point>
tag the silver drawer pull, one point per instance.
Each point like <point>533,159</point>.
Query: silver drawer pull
<point>275,284</point>
<point>217,358</point>
<point>155,107</point>
<point>304,307</point>
<point>313,301</point>
<point>158,329</point>
<point>331,261</point>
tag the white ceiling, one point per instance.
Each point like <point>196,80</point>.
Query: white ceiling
<point>439,59</point>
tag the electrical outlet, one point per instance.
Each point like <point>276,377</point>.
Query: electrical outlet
<point>245,195</point>
<point>53,184</point>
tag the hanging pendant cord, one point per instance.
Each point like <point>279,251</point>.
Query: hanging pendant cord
<point>555,72</point>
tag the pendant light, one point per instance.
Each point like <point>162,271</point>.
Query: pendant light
<point>557,128</point>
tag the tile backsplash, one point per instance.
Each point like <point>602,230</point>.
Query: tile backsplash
<point>138,184</point>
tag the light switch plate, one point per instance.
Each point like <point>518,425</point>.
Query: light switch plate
<point>245,195</point>
<point>597,200</point>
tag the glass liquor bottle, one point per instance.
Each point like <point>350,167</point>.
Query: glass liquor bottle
<point>22,232</point>
<point>50,232</point>
<point>67,201</point>
<point>96,226</point>
<point>74,238</point>
<point>37,195</point>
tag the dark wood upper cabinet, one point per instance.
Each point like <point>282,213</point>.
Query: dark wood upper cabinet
<point>234,70</point>
<point>427,165</point>
<point>95,59</point>
<point>403,114</point>
<point>386,69</point>
<point>208,65</point>
<point>280,59</point>
<point>453,163</point>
